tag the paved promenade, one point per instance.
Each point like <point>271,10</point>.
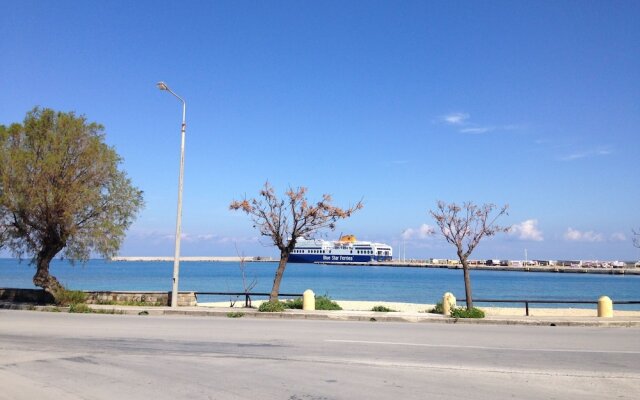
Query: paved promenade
<point>350,315</point>
<point>621,321</point>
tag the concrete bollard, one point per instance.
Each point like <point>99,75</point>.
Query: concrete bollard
<point>605,307</point>
<point>448,303</point>
<point>308,300</point>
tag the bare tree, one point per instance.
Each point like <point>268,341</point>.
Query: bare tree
<point>285,220</point>
<point>464,226</point>
<point>246,285</point>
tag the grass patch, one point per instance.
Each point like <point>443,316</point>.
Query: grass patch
<point>135,303</point>
<point>437,309</point>
<point>461,312</point>
<point>112,311</point>
<point>382,309</point>
<point>66,297</point>
<point>235,315</point>
<point>272,306</point>
<point>85,309</point>
<point>79,308</point>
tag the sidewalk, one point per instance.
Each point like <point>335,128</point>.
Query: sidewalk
<point>369,316</point>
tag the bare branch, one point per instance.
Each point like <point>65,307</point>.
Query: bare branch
<point>464,227</point>
<point>293,217</point>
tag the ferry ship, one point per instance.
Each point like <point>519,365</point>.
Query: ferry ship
<point>346,249</point>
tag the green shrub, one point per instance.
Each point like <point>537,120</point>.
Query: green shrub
<point>382,309</point>
<point>235,315</point>
<point>461,312</point>
<point>269,306</point>
<point>79,308</point>
<point>66,297</point>
<point>322,303</point>
<point>294,304</point>
<point>325,303</point>
<point>437,309</point>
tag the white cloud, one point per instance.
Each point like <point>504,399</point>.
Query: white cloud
<point>219,239</point>
<point>462,121</point>
<point>162,237</point>
<point>574,235</point>
<point>574,156</point>
<point>457,118</point>
<point>527,230</point>
<point>477,130</point>
<point>618,237</point>
<point>423,232</point>
<point>597,152</point>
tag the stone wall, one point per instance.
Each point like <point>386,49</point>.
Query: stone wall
<point>147,298</point>
<point>39,296</point>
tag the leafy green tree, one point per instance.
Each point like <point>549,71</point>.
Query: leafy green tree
<point>285,220</point>
<point>61,192</point>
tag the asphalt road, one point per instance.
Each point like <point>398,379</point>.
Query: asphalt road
<point>72,356</point>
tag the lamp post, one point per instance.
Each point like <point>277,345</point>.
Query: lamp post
<point>176,256</point>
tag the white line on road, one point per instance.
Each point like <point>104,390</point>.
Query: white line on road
<point>483,347</point>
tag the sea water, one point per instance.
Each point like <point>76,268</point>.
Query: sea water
<point>401,284</point>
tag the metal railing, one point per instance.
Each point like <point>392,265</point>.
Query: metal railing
<point>526,302</point>
<point>247,295</point>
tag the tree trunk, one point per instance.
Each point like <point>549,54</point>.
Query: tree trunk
<point>42,278</point>
<point>467,283</point>
<point>284,257</point>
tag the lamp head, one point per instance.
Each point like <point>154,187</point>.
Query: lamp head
<point>162,86</point>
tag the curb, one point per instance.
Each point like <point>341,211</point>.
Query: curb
<point>359,316</point>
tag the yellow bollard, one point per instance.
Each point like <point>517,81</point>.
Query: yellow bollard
<point>308,300</point>
<point>605,307</point>
<point>448,303</point>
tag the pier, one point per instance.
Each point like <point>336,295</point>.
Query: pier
<point>196,259</point>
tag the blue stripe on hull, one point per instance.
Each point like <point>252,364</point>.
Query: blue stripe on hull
<point>313,258</point>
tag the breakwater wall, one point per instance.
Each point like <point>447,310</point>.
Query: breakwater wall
<point>196,259</point>
<point>558,269</point>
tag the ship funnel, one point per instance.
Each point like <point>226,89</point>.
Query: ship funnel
<point>348,238</point>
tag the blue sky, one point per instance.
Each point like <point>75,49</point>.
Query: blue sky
<point>401,104</point>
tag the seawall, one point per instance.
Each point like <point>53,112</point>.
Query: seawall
<point>196,259</point>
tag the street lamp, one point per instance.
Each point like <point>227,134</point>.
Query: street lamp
<point>176,258</point>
